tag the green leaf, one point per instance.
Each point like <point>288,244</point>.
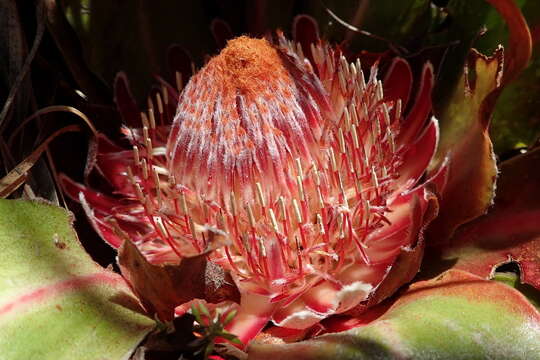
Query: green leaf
<point>465,141</point>
<point>229,317</point>
<point>455,316</point>
<point>480,25</point>
<point>402,22</point>
<point>204,310</point>
<point>195,312</point>
<point>516,121</point>
<point>134,36</point>
<point>512,279</point>
<point>208,350</point>
<point>235,340</point>
<point>509,231</point>
<point>55,302</point>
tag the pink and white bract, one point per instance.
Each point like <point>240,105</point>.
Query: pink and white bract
<point>306,181</point>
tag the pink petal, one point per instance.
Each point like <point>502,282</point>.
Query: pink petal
<point>170,99</point>
<point>112,162</point>
<point>179,60</point>
<point>321,301</point>
<point>399,215</point>
<point>253,315</point>
<point>398,82</point>
<point>298,315</point>
<point>127,106</point>
<point>415,120</point>
<point>370,274</point>
<point>96,199</point>
<point>105,145</point>
<point>417,157</point>
<point>306,32</point>
<point>103,229</point>
<point>221,31</point>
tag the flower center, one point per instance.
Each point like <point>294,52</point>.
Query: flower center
<point>285,177</point>
<point>247,114</point>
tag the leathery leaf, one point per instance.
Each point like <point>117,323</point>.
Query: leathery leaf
<point>55,302</point>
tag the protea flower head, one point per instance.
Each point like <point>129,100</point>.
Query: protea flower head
<point>304,179</point>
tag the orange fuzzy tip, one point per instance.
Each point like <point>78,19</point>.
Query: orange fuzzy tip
<point>244,117</point>
<point>248,64</point>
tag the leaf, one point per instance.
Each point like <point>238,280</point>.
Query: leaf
<point>161,288</point>
<point>55,302</point>
<point>17,176</point>
<point>196,313</point>
<point>18,99</point>
<point>455,316</point>
<point>68,44</point>
<point>520,43</point>
<point>13,45</point>
<point>229,317</point>
<point>459,32</point>
<point>400,22</point>
<point>511,229</point>
<point>134,36</point>
<point>516,119</point>
<point>486,25</point>
<point>512,279</point>
<point>483,25</point>
<point>204,310</point>
<point>465,140</point>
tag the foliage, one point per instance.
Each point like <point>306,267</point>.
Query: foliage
<point>59,66</point>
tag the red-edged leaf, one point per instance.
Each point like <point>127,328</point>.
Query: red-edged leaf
<point>516,118</point>
<point>510,230</point>
<point>55,302</point>
<point>520,49</point>
<point>465,140</point>
<point>455,316</point>
<point>415,120</point>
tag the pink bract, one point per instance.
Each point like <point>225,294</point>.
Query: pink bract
<point>304,180</point>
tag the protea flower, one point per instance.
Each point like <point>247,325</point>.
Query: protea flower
<point>280,197</point>
<point>306,181</point>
